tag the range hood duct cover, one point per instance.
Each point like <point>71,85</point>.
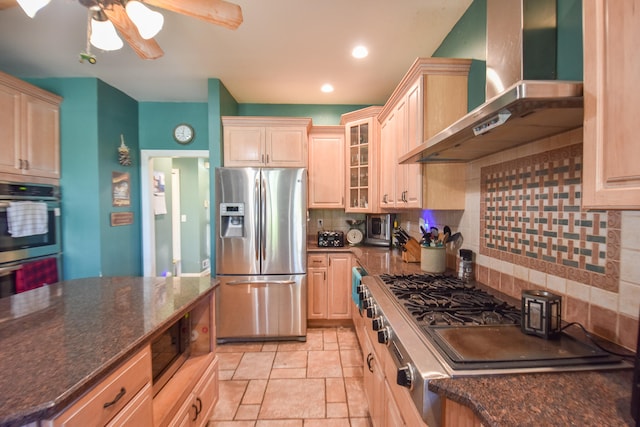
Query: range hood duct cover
<point>524,101</point>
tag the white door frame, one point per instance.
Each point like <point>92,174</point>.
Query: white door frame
<point>146,197</point>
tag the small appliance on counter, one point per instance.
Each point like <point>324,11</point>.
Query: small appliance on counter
<point>330,239</point>
<point>379,230</point>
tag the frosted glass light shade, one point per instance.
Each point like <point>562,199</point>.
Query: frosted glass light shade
<point>31,7</point>
<point>149,22</point>
<point>104,36</point>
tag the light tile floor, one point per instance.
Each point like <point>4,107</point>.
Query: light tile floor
<point>317,383</point>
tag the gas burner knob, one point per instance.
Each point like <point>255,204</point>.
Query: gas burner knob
<point>405,376</point>
<point>366,303</point>
<point>377,323</point>
<point>383,335</point>
<point>363,292</point>
<point>372,311</point>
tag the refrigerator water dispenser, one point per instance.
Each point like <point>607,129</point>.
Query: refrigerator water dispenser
<point>232,220</point>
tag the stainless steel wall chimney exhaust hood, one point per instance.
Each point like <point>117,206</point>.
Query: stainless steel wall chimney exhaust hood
<point>521,57</point>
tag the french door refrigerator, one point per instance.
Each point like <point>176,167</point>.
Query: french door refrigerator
<point>261,245</point>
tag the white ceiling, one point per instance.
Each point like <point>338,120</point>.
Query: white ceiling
<point>281,54</point>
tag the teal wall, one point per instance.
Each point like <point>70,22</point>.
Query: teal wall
<point>92,117</point>
<point>468,40</point>
<point>158,119</point>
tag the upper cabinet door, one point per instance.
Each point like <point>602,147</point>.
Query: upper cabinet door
<point>326,167</point>
<point>611,175</point>
<point>273,142</point>
<point>286,147</point>
<point>41,137</point>
<point>10,130</point>
<point>244,146</point>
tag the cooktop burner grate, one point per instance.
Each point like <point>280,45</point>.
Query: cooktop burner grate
<point>443,300</point>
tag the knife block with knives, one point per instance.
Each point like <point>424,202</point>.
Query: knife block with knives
<point>409,247</point>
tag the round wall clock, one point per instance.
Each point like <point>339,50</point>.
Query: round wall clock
<point>183,133</point>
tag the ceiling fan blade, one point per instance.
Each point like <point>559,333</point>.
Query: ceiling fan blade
<point>6,4</point>
<point>219,12</point>
<point>146,49</point>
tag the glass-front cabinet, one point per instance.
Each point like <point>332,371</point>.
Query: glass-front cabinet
<point>362,135</point>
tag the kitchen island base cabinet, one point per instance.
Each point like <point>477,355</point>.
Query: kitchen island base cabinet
<point>131,382</point>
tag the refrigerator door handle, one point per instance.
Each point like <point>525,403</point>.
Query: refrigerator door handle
<point>261,282</point>
<point>263,217</point>
<point>256,224</point>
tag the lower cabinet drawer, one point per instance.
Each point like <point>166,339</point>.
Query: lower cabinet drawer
<point>138,413</point>
<point>108,398</point>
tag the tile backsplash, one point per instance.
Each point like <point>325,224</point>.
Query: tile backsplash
<point>530,214</point>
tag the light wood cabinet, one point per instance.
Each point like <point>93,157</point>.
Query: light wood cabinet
<point>611,172</point>
<point>265,141</point>
<point>431,96</point>
<point>105,401</point>
<point>456,415</point>
<point>29,131</point>
<point>362,141</point>
<point>196,407</point>
<point>326,167</point>
<point>329,286</point>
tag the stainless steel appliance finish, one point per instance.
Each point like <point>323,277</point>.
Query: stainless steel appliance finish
<point>14,249</point>
<point>524,102</point>
<point>261,234</point>
<point>379,229</point>
<point>17,251</point>
<point>432,343</point>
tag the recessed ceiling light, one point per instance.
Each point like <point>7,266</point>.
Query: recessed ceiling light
<point>359,52</point>
<point>326,88</point>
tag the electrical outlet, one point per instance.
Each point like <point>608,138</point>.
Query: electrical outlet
<point>320,224</point>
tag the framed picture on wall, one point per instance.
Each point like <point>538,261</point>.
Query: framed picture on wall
<point>120,186</point>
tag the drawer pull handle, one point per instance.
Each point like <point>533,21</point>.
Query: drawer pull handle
<point>370,362</point>
<point>197,408</point>
<point>115,399</point>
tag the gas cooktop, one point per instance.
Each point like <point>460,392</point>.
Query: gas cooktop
<point>474,329</point>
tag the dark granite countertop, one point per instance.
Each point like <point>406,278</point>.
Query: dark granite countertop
<point>58,341</point>
<point>581,398</point>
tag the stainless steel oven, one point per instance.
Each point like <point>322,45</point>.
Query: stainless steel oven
<point>15,252</point>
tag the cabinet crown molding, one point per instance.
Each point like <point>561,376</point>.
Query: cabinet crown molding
<point>267,121</point>
<point>32,90</point>
<point>363,113</point>
<point>421,67</point>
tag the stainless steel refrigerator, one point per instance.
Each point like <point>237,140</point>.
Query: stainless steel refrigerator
<point>261,245</point>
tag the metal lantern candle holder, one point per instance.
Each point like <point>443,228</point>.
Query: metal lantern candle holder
<point>541,313</point>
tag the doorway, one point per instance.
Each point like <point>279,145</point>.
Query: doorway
<point>175,191</point>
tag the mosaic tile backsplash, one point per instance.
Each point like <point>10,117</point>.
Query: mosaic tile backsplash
<point>530,214</point>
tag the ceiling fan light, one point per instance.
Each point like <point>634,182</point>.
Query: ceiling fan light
<point>149,22</point>
<point>31,7</point>
<point>104,36</point>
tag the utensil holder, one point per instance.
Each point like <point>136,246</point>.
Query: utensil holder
<point>433,259</point>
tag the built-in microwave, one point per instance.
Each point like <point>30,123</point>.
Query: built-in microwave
<point>169,351</point>
<point>379,230</point>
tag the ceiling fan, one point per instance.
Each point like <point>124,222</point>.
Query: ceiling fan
<point>136,23</point>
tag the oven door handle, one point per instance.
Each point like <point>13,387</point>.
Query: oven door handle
<point>6,270</point>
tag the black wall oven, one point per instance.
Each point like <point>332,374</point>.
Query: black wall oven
<point>18,251</point>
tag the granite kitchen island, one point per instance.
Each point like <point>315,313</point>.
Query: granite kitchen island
<point>60,341</point>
